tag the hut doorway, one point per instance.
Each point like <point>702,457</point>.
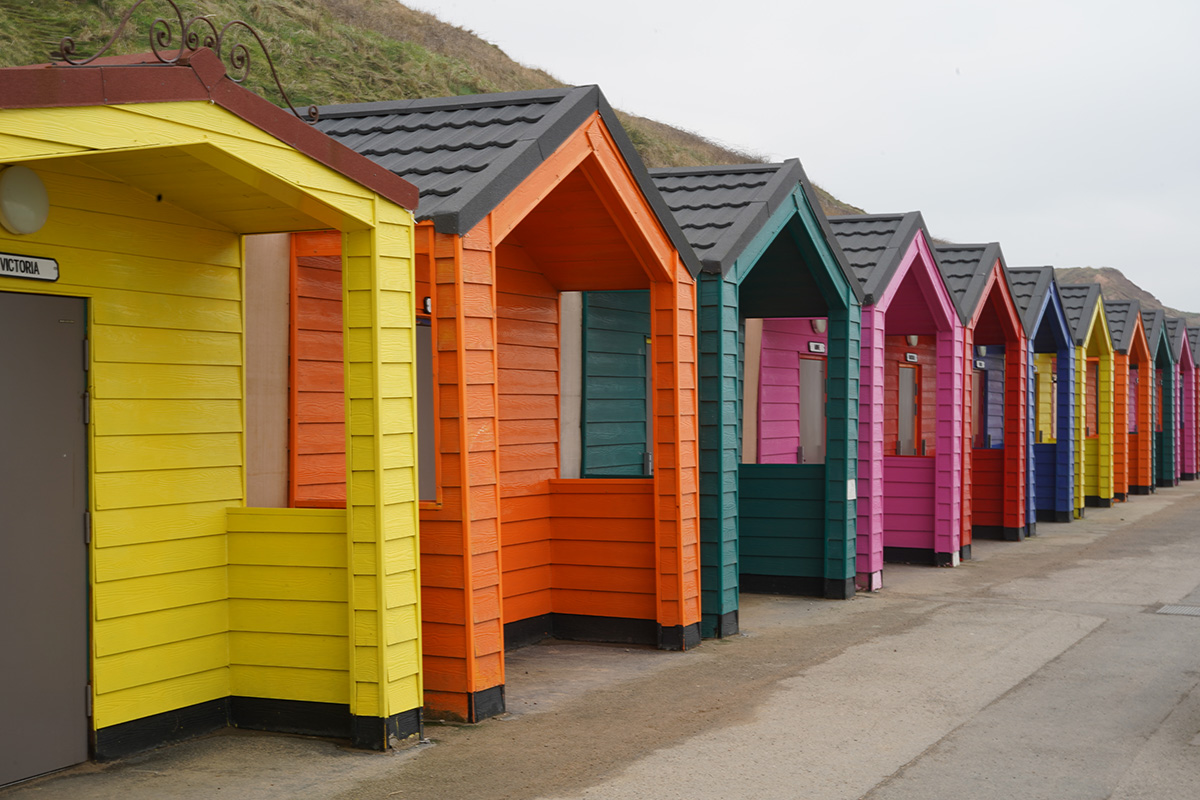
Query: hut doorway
<point>44,714</point>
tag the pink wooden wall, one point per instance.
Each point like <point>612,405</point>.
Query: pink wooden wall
<point>1186,440</point>
<point>779,398</point>
<point>903,501</point>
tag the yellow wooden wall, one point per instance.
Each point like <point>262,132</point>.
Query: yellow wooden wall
<point>175,601</point>
<point>1045,397</point>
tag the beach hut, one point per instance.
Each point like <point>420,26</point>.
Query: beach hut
<point>779,349</point>
<point>535,520</point>
<point>910,408</point>
<point>1051,427</point>
<point>145,597</point>
<point>996,381</point>
<point>1194,341</point>
<point>1093,396</point>
<point>1185,395</point>
<point>1166,404</point>
<point>1132,398</point>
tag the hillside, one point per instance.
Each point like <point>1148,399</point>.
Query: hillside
<point>342,51</point>
<point>1115,286</point>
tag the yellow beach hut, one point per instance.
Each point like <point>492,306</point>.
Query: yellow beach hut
<point>145,598</point>
<point>1094,386</point>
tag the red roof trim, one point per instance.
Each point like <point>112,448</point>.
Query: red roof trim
<point>201,76</point>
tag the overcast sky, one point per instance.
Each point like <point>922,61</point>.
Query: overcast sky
<point>1066,130</point>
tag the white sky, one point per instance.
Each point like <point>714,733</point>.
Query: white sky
<point>1067,130</point>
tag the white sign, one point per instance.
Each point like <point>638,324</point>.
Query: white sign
<point>910,358</point>
<point>816,347</point>
<point>851,489</point>
<point>32,267</point>
<point>980,364</point>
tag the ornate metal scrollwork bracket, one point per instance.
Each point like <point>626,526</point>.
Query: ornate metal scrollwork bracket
<point>194,34</point>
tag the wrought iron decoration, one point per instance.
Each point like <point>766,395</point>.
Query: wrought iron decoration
<point>195,33</point>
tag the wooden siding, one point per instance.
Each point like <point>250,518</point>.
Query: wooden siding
<point>909,501</point>
<point>781,519</point>
<point>896,350</point>
<point>616,335</point>
<point>527,390</point>
<point>288,604</point>
<point>167,439</point>
<point>1121,387</point>
<point>317,428</point>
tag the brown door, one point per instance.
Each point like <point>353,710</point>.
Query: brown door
<point>43,551</point>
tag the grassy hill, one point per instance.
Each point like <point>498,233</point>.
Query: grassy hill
<point>341,51</point>
<point>1115,286</point>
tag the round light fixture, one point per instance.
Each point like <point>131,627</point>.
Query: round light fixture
<point>818,324</point>
<point>912,340</point>
<point>24,204</point>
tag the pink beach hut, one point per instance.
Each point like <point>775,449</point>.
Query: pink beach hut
<point>1185,396</point>
<point>910,397</point>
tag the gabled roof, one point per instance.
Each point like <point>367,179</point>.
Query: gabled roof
<point>467,154</point>
<point>1029,286</point>
<point>1178,337</point>
<point>1122,318</point>
<point>1194,341</point>
<point>197,76</point>
<point>874,245</point>
<point>1155,324</point>
<point>965,269</point>
<point>1079,303</point>
<point>722,209</point>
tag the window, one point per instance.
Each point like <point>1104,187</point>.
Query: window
<point>811,448</point>
<point>909,405</point>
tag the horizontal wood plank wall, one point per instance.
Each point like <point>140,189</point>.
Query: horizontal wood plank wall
<point>908,501</point>
<point>602,553</point>
<point>615,419</point>
<point>288,604</point>
<point>895,350</point>
<point>720,446</point>
<point>1121,384</point>
<point>987,478</point>
<point>527,375</point>
<point>1046,398</point>
<point>166,435</point>
<point>1187,419</point>
<point>871,424</point>
<point>1064,472</point>
<point>460,536</point>
<point>1098,480</point>
<point>783,342</point>
<point>1015,412</point>
<point>782,519</point>
<point>996,401</point>
<point>318,410</point>
<point>381,504</point>
<point>1031,426</point>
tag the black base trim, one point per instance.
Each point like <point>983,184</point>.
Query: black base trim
<point>1120,497</point>
<point>127,738</point>
<point>525,632</point>
<point>1166,483</point>
<point>679,637</point>
<point>373,733</point>
<point>1053,515</point>
<point>943,559</point>
<point>1189,476</point>
<point>1141,489</point>
<point>964,552</point>
<point>782,584</point>
<point>718,626</point>
<point>290,716</point>
<point>1092,501</point>
<point>839,589</point>
<point>998,533</point>
<point>485,703</point>
<point>1030,529</point>
<point>909,555</point>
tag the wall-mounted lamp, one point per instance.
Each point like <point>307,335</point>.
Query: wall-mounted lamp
<point>819,324</point>
<point>427,305</point>
<point>24,204</point>
<point>981,349</point>
<point>911,339</point>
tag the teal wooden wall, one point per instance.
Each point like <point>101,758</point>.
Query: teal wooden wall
<point>782,520</point>
<point>614,425</point>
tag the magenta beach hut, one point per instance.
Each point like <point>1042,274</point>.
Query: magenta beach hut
<point>910,397</point>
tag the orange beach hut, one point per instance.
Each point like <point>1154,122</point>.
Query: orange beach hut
<point>1133,395</point>
<point>527,199</point>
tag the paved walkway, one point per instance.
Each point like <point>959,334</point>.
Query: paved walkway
<point>1036,670</point>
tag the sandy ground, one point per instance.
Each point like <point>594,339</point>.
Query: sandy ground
<point>1038,669</point>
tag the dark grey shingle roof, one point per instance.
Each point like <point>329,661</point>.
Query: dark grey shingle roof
<point>467,154</point>
<point>722,209</point>
<point>965,269</point>
<point>1079,303</point>
<point>1194,341</point>
<point>874,245</point>
<point>1156,330</point>
<point>1177,336</point>
<point>1029,286</point>
<point>1122,320</point>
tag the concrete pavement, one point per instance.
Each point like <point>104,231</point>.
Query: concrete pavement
<point>1038,670</point>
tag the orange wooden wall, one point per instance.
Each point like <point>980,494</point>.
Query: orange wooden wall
<point>1121,452</point>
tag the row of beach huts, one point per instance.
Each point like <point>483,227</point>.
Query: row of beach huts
<point>305,427</point>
